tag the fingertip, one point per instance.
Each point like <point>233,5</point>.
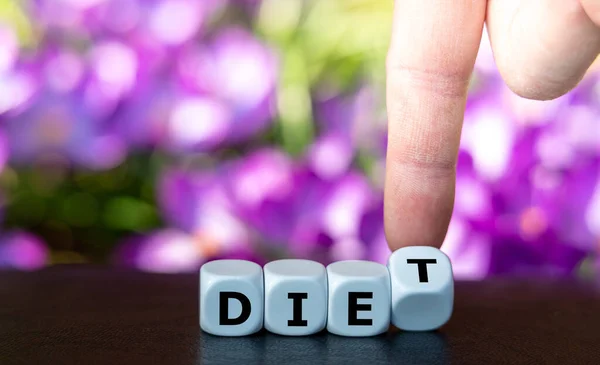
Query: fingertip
<point>542,49</point>
<point>537,87</point>
<point>398,236</point>
<point>592,9</point>
<point>418,208</point>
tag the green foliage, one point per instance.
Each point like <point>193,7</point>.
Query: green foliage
<point>329,45</point>
<point>86,212</point>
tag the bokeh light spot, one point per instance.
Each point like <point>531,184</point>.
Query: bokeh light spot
<point>198,120</point>
<point>188,15</point>
<point>115,65</point>
<point>64,71</point>
<point>533,222</point>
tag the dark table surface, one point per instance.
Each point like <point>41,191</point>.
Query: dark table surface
<point>88,315</point>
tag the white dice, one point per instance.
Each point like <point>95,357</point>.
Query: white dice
<point>231,297</point>
<point>295,297</point>
<point>415,292</point>
<point>359,298</point>
<point>422,288</point>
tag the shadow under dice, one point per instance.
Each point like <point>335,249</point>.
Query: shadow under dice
<point>295,297</point>
<point>231,297</point>
<point>359,298</point>
<point>422,288</point>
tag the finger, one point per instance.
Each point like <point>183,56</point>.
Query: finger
<point>544,47</point>
<point>432,53</point>
<point>592,9</point>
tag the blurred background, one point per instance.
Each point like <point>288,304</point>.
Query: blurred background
<point>159,134</point>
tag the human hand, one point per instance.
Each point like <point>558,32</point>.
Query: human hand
<point>542,49</point>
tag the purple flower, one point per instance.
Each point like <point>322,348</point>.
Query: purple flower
<point>291,207</point>
<point>17,90</point>
<point>4,152</point>
<point>55,125</point>
<point>143,120</point>
<point>359,118</point>
<point>162,115</point>
<point>17,78</point>
<point>22,251</point>
<point>265,174</point>
<point>164,251</point>
<point>331,155</point>
<point>263,203</point>
<point>592,217</point>
<point>113,76</point>
<point>203,227</point>
<point>60,104</point>
<point>170,250</point>
<point>62,70</point>
<point>198,204</point>
<point>199,123</point>
<point>221,93</point>
<point>372,234</point>
<point>527,220</point>
<point>63,14</point>
<point>160,21</point>
<point>527,179</point>
<point>9,48</point>
<point>95,18</point>
<point>239,74</point>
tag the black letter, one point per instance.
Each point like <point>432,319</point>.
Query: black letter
<point>354,307</point>
<point>224,297</point>
<point>422,264</point>
<point>297,321</point>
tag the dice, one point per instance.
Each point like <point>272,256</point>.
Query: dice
<point>295,297</point>
<point>231,297</point>
<point>359,298</point>
<point>422,288</point>
<point>353,298</point>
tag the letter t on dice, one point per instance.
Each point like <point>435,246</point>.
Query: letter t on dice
<point>422,288</point>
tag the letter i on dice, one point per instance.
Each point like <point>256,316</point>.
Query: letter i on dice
<point>415,292</point>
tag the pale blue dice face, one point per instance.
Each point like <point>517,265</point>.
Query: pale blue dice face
<point>295,297</point>
<point>359,298</point>
<point>239,284</point>
<point>422,288</point>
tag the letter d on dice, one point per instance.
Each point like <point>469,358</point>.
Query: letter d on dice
<point>422,288</point>
<point>231,297</point>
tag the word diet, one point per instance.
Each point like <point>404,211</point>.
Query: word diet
<point>350,298</point>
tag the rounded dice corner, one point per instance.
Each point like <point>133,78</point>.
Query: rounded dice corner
<point>431,328</point>
<point>418,311</point>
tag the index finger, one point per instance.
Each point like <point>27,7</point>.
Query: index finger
<point>430,60</point>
